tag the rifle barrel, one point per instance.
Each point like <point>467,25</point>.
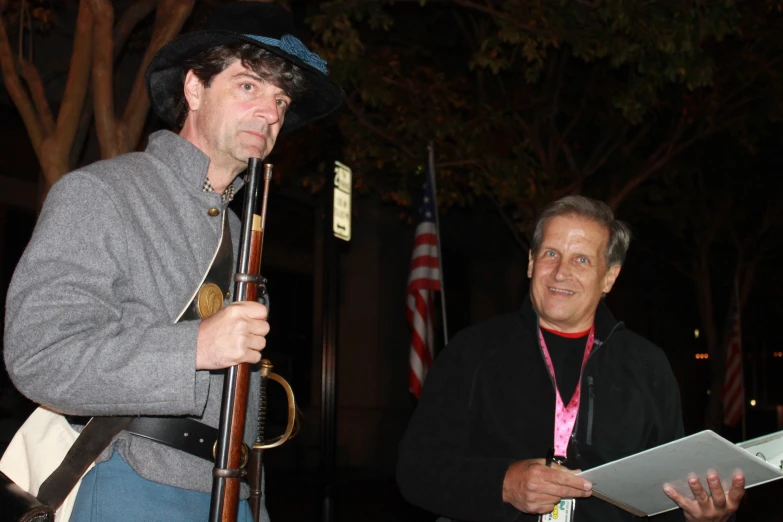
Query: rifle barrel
<point>230,453</point>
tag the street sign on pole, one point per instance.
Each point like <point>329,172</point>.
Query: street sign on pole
<point>341,211</point>
<point>341,229</point>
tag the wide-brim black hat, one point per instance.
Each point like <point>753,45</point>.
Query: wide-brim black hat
<point>262,24</point>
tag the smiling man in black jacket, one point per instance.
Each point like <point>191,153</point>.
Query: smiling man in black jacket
<point>561,377</point>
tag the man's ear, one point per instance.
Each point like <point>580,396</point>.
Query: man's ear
<point>193,90</point>
<point>530,264</point>
<point>611,277</point>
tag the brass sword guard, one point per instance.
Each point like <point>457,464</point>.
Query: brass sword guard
<point>292,423</point>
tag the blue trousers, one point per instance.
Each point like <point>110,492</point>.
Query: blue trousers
<point>113,492</point>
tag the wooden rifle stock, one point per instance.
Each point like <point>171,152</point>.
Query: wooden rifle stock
<point>231,453</point>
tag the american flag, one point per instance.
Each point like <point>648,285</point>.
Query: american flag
<point>423,281</point>
<point>733,395</point>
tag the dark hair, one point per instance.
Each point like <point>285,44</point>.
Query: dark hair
<point>590,209</point>
<point>272,68</point>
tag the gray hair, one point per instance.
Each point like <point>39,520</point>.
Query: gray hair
<point>590,209</point>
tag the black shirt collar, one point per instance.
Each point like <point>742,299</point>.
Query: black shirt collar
<point>604,320</point>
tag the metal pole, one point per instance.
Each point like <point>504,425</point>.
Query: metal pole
<point>764,372</point>
<point>329,362</point>
<point>742,356</point>
<point>431,174</point>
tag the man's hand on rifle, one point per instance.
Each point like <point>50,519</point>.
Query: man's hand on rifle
<point>233,335</point>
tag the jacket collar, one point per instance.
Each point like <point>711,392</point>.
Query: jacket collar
<point>184,159</point>
<point>604,320</point>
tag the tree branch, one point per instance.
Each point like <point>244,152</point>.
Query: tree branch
<point>603,152</point>
<point>558,71</point>
<point>460,163</point>
<point>585,95</point>
<point>677,262</point>
<point>17,92</point>
<point>660,157</point>
<point>572,188</point>
<point>78,80</point>
<point>534,138</point>
<point>34,83</point>
<point>102,78</point>
<point>362,119</point>
<point>488,9</point>
<point>746,282</point>
<point>135,13</point>
<point>85,122</point>
<point>170,18</point>
<point>628,149</point>
<point>524,245</point>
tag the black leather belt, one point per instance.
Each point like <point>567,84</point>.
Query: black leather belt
<point>181,433</point>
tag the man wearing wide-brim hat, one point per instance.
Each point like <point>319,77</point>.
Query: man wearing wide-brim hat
<point>99,315</point>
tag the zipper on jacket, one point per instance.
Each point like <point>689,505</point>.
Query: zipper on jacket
<point>574,443</point>
<point>590,402</point>
<point>591,397</point>
<point>599,343</point>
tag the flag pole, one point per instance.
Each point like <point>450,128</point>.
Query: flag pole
<point>739,327</point>
<point>431,174</point>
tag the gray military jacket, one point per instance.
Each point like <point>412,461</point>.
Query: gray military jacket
<point>118,251</point>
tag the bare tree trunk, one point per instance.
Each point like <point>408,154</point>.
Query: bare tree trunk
<point>30,117</point>
<point>117,135</point>
<point>170,18</point>
<point>53,139</point>
<point>56,149</point>
<point>102,78</point>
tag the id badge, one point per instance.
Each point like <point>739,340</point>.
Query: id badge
<point>563,512</point>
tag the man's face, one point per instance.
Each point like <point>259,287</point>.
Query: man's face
<point>569,273</point>
<point>237,117</point>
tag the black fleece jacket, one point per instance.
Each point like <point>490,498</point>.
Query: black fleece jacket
<point>489,401</point>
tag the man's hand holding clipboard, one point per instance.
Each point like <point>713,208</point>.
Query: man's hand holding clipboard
<point>713,505</point>
<point>538,485</point>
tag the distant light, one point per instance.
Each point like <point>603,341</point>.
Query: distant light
<point>702,356</point>
<point>696,333</point>
<point>708,392</point>
<point>753,402</point>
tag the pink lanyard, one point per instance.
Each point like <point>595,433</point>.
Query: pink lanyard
<point>565,416</point>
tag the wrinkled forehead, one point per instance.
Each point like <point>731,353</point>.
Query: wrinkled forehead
<point>577,231</point>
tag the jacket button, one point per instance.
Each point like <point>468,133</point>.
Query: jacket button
<point>213,211</point>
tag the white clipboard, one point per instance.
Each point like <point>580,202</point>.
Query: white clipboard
<point>635,483</point>
<point>768,448</point>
